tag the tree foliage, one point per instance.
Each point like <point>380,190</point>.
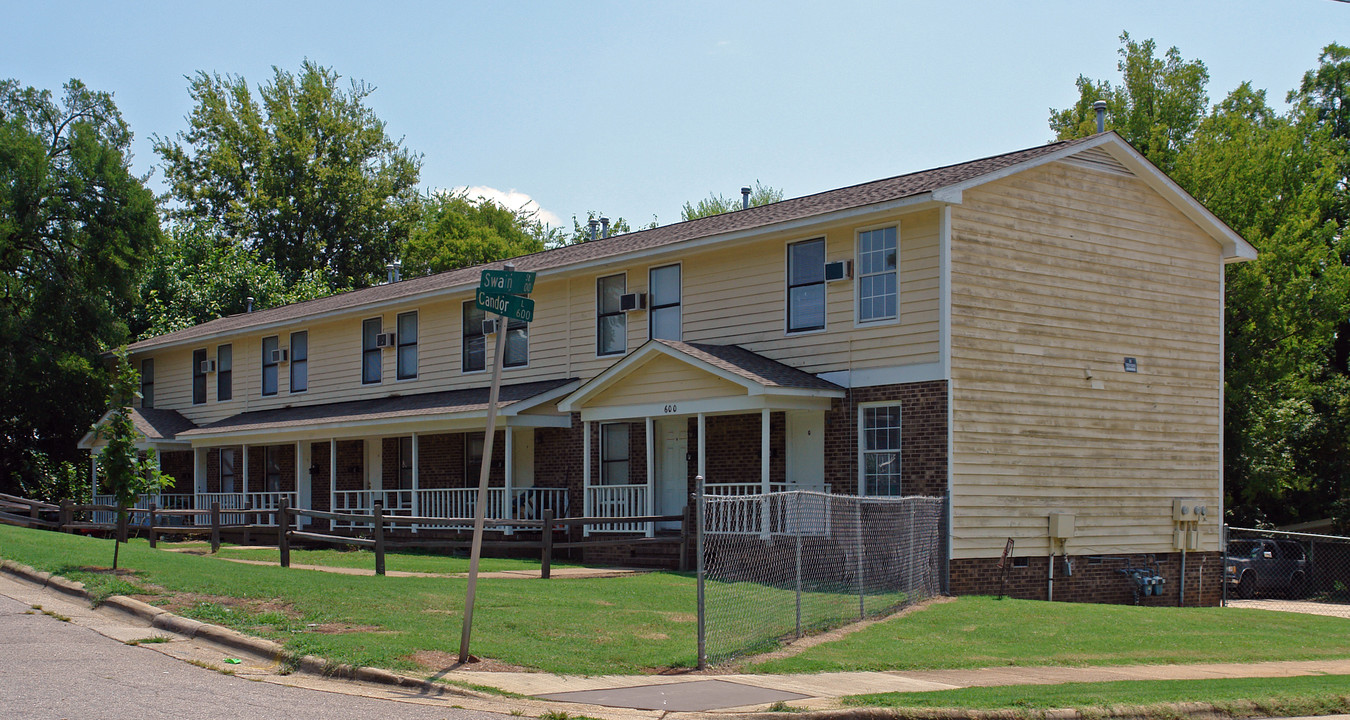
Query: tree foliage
<point>581,232</point>
<point>128,473</point>
<point>454,232</point>
<point>716,204</point>
<point>303,173</point>
<point>75,228</point>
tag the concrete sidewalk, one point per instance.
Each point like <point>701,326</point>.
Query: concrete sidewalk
<point>612,697</point>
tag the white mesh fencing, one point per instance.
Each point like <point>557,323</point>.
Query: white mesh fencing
<point>776,566</point>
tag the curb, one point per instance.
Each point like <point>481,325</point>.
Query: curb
<point>258,647</point>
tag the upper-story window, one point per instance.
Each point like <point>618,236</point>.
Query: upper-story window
<point>878,274</point>
<point>148,383</point>
<point>806,286</point>
<point>224,373</point>
<point>299,361</point>
<point>475,342</point>
<point>611,323</point>
<point>198,376</point>
<point>372,365</point>
<point>664,316</point>
<point>407,345</point>
<point>269,365</point>
<point>517,344</point>
<point>879,446</point>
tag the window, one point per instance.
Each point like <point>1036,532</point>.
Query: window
<point>148,383</point>
<point>272,463</point>
<point>664,316</point>
<point>299,361</point>
<point>611,323</point>
<point>407,346</point>
<point>269,366</point>
<point>405,463</point>
<point>806,286</point>
<point>614,454</point>
<point>475,343</point>
<point>372,366</point>
<point>224,373</point>
<point>877,274</point>
<point>198,377</point>
<point>227,470</point>
<point>880,449</point>
<point>473,459</point>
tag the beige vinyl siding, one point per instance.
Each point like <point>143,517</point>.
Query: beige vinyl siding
<point>665,379</point>
<point>1057,273</point>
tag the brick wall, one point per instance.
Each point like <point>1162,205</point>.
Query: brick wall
<point>557,460</point>
<point>440,461</point>
<point>320,460</point>
<point>923,436</point>
<point>181,466</point>
<point>733,454</point>
<point>351,461</point>
<point>1098,582</point>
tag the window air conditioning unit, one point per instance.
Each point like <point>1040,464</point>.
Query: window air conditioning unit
<point>633,301</point>
<point>838,270</point>
<point>490,327</point>
<point>386,340</point>
<point>280,355</point>
<point>208,366</point>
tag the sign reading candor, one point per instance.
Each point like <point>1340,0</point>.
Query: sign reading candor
<point>501,291</point>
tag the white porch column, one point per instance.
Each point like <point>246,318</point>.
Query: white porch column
<point>332,476</point>
<point>703,446</point>
<point>510,449</point>
<point>93,474</point>
<point>764,451</point>
<point>416,480</point>
<point>586,472</point>
<point>650,508</point>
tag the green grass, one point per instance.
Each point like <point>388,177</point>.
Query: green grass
<point>361,558</point>
<point>1309,695</point>
<point>978,632</point>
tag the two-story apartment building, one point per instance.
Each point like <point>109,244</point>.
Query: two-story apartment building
<point>1037,333</point>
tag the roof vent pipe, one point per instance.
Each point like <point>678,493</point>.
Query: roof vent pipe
<point>1100,107</point>
<point>395,271</point>
<point>604,227</point>
<point>250,303</point>
<point>593,223</point>
<point>745,198</point>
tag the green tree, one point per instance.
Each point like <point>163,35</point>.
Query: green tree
<point>75,229</point>
<point>197,276</point>
<point>455,232</point>
<point>581,232</point>
<point>1156,107</point>
<point>716,204</point>
<point>129,473</point>
<point>304,173</point>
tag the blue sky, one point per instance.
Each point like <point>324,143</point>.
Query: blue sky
<point>633,108</point>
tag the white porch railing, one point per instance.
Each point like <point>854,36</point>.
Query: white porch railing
<point>617,501</point>
<point>773,514</point>
<point>203,501</point>
<point>362,502</point>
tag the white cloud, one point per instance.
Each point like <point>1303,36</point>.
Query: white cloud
<point>513,199</point>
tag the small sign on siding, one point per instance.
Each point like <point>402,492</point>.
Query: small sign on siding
<point>1131,365</point>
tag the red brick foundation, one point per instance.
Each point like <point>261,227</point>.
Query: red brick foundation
<point>1095,579</point>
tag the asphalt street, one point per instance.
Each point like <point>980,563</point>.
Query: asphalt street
<point>55,669</point>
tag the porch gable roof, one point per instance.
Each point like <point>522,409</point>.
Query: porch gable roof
<point>153,424</point>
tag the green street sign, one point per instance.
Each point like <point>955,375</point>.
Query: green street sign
<point>512,307</point>
<point>507,281</point>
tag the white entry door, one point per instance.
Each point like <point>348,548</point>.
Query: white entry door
<point>806,450</point>
<point>672,467</point>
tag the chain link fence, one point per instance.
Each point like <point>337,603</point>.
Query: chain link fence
<point>776,566</point>
<point>1296,572</point>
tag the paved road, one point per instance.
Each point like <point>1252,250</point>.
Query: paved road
<point>54,669</point>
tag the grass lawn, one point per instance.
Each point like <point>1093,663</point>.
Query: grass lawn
<point>643,622</point>
<point>362,558</point>
<point>1310,695</point>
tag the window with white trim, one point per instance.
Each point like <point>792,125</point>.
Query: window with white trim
<point>405,463</point>
<point>299,361</point>
<point>148,383</point>
<point>269,365</point>
<point>272,464</point>
<point>198,376</point>
<point>878,274</point>
<point>372,361</point>
<point>227,470</point>
<point>879,448</point>
<point>806,286</point>
<point>474,348</point>
<point>614,454</point>
<point>407,345</point>
<point>224,372</point>
<point>664,316</point>
<point>611,322</point>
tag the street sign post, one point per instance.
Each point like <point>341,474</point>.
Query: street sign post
<point>512,307</point>
<point>507,281</point>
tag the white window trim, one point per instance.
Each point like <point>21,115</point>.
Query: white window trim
<point>308,360</point>
<point>628,429</point>
<point>651,302</point>
<point>598,278</point>
<point>361,362</point>
<point>234,470</point>
<point>862,443</point>
<point>462,335</point>
<point>417,375</point>
<point>787,288</point>
<point>229,345</point>
<point>505,325</point>
<point>262,366</point>
<point>206,389</point>
<point>857,276</point>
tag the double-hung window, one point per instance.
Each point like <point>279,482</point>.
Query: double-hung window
<point>407,345</point>
<point>224,372</point>
<point>611,323</point>
<point>614,454</point>
<point>269,365</point>
<point>272,463</point>
<point>299,361</point>
<point>474,351</point>
<point>198,377</point>
<point>473,459</point>
<point>148,383</point>
<point>405,463</point>
<point>878,274</point>
<point>664,316</point>
<point>372,367</point>
<point>806,286</point>
<point>879,448</point>
<point>227,470</point>
<point>517,344</point>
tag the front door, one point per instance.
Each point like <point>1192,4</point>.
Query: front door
<point>672,467</point>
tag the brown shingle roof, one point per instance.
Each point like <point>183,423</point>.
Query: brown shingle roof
<point>157,424</point>
<point>854,196</point>
<point>386,408</point>
<point>751,366</point>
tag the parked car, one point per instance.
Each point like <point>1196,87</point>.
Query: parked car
<point>1267,567</point>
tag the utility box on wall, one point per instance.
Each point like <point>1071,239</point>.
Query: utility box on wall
<point>1061,525</point>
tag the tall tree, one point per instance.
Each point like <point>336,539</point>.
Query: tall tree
<point>455,232</point>
<point>75,229</point>
<point>1156,107</point>
<point>304,173</point>
<point>716,204</point>
<point>129,473</point>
